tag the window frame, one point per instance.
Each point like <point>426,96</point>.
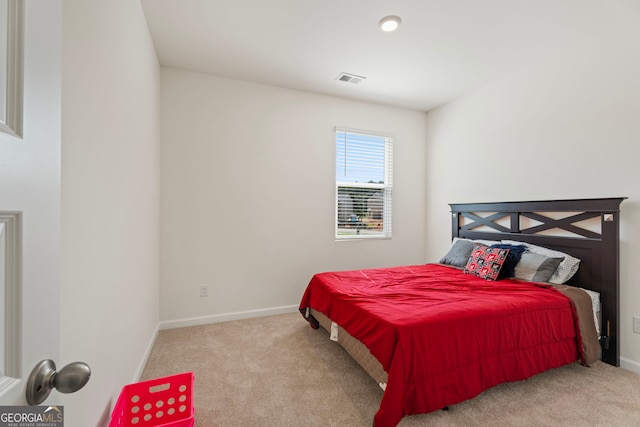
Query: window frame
<point>386,189</point>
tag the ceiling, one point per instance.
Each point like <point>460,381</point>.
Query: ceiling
<point>442,50</point>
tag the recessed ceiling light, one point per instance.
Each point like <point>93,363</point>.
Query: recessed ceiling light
<point>390,23</point>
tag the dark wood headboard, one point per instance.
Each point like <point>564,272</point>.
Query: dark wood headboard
<point>598,251</point>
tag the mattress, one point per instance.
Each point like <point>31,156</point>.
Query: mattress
<point>361,354</point>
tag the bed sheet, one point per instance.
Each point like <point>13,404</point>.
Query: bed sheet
<point>444,336</point>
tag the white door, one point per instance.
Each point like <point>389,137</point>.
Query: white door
<point>30,192</point>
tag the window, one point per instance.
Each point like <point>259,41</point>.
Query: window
<point>363,184</point>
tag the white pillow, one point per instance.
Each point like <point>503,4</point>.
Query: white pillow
<point>565,270</point>
<point>535,267</point>
<point>484,242</point>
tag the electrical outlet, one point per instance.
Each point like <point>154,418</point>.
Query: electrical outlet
<point>204,291</point>
<point>636,324</point>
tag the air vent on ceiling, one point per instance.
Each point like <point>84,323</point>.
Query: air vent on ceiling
<point>350,78</point>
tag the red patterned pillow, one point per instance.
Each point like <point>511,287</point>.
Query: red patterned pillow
<point>486,262</point>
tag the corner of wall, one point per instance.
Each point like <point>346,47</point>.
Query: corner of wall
<point>630,365</point>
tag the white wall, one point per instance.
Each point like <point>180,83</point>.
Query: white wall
<point>567,128</point>
<point>248,176</point>
<point>110,199</point>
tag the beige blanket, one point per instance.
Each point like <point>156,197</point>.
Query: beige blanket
<point>582,302</point>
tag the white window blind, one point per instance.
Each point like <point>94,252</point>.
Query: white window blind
<point>363,184</point>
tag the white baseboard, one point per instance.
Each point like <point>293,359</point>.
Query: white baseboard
<point>216,318</point>
<point>630,365</point>
<point>147,353</point>
<point>104,419</point>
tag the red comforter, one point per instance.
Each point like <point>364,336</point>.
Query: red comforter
<point>444,336</point>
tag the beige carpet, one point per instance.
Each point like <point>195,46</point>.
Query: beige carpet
<point>277,371</point>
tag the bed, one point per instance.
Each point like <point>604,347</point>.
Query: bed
<point>437,334</point>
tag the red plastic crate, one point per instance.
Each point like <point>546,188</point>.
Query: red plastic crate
<point>162,402</point>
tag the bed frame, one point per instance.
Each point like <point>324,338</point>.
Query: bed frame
<point>597,250</point>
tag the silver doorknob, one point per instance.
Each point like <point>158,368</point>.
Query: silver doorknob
<point>45,378</point>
